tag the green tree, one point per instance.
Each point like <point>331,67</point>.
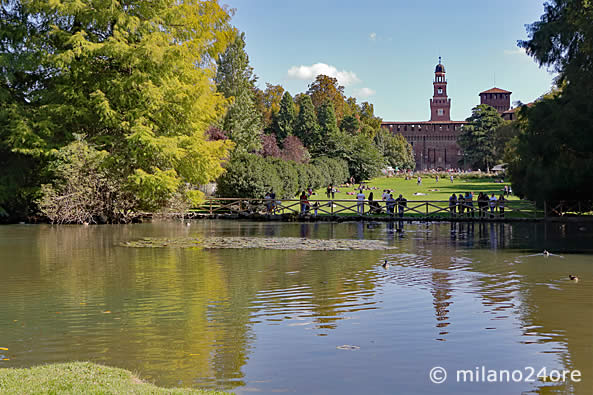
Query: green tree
<point>503,135</point>
<point>285,119</point>
<point>350,124</point>
<point>244,124</point>
<point>328,129</point>
<point>234,75</point>
<point>134,78</point>
<point>398,153</point>
<point>370,124</point>
<point>478,136</point>
<point>554,151</point>
<point>234,78</point>
<point>363,157</point>
<point>306,127</point>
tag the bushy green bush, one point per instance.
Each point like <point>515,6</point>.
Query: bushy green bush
<point>251,176</point>
<point>248,176</point>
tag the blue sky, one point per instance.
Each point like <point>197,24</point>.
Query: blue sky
<point>385,52</point>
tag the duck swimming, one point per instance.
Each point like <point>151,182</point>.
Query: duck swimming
<point>385,264</point>
<point>573,278</point>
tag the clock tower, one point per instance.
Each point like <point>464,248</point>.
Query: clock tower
<point>440,105</point>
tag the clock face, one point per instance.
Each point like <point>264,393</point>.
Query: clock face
<point>440,91</point>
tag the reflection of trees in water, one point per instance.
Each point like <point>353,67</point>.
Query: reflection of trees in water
<point>180,316</point>
<point>320,286</point>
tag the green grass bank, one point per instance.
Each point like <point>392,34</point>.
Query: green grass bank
<point>80,378</point>
<point>430,188</point>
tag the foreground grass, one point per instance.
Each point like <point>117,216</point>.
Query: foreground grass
<point>80,378</point>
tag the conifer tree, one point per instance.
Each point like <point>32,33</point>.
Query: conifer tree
<point>285,119</point>
<point>306,127</point>
<point>243,121</point>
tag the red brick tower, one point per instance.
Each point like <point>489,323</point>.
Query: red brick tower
<point>440,105</point>
<point>497,98</point>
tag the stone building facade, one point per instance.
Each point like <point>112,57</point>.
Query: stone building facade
<point>434,141</point>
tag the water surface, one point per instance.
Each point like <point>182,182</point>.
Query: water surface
<point>459,296</point>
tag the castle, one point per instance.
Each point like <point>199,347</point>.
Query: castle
<point>435,141</point>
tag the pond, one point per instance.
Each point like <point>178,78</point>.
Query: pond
<point>459,296</point>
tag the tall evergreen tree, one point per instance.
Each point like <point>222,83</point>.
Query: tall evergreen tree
<point>306,127</point>
<point>234,78</point>
<point>243,122</point>
<point>328,128</point>
<point>234,74</point>
<point>285,120</point>
<point>350,124</point>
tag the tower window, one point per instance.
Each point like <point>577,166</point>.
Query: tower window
<point>440,111</point>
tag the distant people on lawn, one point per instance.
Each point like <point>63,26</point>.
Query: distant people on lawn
<point>451,178</point>
<point>328,191</point>
<point>419,180</point>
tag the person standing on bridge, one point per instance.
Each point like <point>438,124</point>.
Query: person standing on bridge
<point>501,201</point>
<point>360,204</point>
<point>304,203</point>
<point>402,202</point>
<point>453,204</point>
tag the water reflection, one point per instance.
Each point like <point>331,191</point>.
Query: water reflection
<point>230,318</point>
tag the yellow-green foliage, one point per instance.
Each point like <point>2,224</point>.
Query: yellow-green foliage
<point>135,78</point>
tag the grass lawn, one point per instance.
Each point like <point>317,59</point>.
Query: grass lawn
<point>80,378</point>
<point>432,189</point>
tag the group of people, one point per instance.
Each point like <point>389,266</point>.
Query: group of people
<point>465,204</point>
<point>387,198</point>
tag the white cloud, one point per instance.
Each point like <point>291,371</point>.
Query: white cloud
<point>516,51</point>
<point>303,72</point>
<point>373,36</point>
<point>363,93</point>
